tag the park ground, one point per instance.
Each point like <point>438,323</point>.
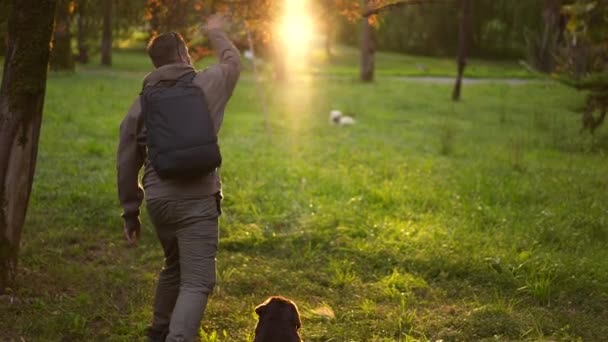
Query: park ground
<point>427,220</point>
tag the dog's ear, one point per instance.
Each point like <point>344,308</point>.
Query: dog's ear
<point>294,316</point>
<point>261,309</point>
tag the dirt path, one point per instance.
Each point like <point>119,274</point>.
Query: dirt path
<point>440,79</point>
<point>418,79</point>
<point>451,80</point>
<point>415,79</point>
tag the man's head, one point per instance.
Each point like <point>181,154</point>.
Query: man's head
<point>168,48</point>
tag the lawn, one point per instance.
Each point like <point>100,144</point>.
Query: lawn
<point>481,220</point>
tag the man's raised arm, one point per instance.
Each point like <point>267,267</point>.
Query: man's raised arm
<point>228,55</point>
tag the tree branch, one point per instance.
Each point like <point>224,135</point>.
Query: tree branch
<point>234,2</point>
<point>371,11</point>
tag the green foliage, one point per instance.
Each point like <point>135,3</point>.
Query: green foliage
<point>180,15</point>
<point>499,28</point>
<point>370,229</point>
<point>127,18</point>
<point>584,57</point>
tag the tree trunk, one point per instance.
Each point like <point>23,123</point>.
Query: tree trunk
<point>61,56</point>
<point>106,39</point>
<point>83,47</point>
<point>2,43</point>
<point>21,103</point>
<point>464,40</point>
<point>3,26</point>
<point>551,35</point>
<point>368,49</point>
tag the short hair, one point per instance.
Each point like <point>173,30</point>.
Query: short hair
<point>166,49</point>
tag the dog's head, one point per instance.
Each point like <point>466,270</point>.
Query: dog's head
<point>279,320</point>
<point>334,116</point>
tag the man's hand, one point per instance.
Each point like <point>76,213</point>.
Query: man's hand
<point>217,21</point>
<point>132,229</point>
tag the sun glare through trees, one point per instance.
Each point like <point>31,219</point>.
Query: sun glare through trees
<point>296,31</point>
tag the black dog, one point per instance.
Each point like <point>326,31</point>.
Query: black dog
<point>279,321</point>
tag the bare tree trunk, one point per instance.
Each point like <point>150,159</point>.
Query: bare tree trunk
<point>3,39</point>
<point>83,47</point>
<point>368,49</point>
<point>21,102</point>
<point>550,37</point>
<point>464,40</point>
<point>106,39</point>
<point>61,56</point>
<point>3,22</point>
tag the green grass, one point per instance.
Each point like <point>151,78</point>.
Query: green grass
<point>481,220</point>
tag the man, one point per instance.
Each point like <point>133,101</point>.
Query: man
<point>185,210</point>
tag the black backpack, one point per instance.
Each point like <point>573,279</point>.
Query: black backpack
<point>181,138</point>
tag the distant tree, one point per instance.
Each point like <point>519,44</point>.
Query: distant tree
<point>179,15</point>
<point>62,57</point>
<point>327,13</point>
<point>583,60</point>
<point>82,34</point>
<point>127,16</point>
<point>464,42</point>
<point>99,22</point>
<point>368,11</point>
<point>21,103</point>
<point>499,28</point>
<point>368,45</point>
<point>106,38</point>
<point>3,26</point>
<point>543,44</point>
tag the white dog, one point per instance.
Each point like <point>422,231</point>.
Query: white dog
<point>248,54</point>
<point>337,118</point>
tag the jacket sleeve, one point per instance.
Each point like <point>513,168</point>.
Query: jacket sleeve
<point>130,159</point>
<point>219,80</point>
<point>229,58</point>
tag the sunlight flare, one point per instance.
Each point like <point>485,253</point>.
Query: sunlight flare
<point>296,31</point>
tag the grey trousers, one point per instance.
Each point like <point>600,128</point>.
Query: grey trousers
<point>188,231</point>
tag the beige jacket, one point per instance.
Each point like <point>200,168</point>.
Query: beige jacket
<point>217,82</point>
